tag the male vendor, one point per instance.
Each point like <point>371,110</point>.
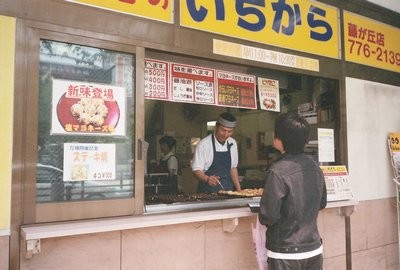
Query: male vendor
<point>216,158</point>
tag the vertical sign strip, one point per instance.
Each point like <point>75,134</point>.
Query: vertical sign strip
<point>7,52</point>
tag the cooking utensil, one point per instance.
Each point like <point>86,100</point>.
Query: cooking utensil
<point>219,183</point>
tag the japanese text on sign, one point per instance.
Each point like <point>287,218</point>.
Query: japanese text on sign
<point>337,181</point>
<point>300,25</point>
<point>265,56</point>
<point>87,108</point>
<point>89,162</point>
<point>236,90</point>
<point>160,10</point>
<point>81,90</point>
<point>156,79</point>
<point>371,43</point>
<point>268,94</point>
<point>192,84</point>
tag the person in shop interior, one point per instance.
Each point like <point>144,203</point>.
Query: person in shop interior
<point>294,193</point>
<point>216,158</point>
<point>169,163</point>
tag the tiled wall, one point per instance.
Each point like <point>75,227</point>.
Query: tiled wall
<point>374,237</point>
<point>4,247</point>
<point>205,246</point>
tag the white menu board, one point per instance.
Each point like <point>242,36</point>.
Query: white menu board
<point>156,79</point>
<point>337,181</point>
<point>192,84</point>
<point>326,145</point>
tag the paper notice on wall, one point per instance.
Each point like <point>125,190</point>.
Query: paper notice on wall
<point>326,145</point>
<point>268,94</point>
<point>337,181</point>
<point>89,161</point>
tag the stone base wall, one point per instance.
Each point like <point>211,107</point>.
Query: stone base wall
<point>206,246</point>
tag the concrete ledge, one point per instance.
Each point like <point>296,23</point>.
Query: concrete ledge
<point>50,230</point>
<point>34,233</point>
<point>5,232</point>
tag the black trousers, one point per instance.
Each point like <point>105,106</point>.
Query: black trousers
<point>313,263</point>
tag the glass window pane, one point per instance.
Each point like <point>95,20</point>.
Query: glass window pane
<point>86,123</point>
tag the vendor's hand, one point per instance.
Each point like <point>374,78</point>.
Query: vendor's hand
<point>213,180</point>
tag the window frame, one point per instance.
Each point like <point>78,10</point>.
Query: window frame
<point>63,211</point>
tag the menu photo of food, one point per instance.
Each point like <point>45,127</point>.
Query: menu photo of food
<point>268,91</point>
<point>87,112</point>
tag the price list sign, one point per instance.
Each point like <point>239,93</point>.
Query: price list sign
<point>192,84</point>
<point>337,183</point>
<point>236,90</point>
<point>156,74</point>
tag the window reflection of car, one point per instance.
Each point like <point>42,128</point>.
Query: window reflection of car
<point>50,186</point>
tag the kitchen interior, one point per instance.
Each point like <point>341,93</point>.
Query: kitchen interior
<point>314,98</point>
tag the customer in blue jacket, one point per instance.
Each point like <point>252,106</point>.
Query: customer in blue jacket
<point>294,193</point>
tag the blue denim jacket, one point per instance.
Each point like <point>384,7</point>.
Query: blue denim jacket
<point>294,193</point>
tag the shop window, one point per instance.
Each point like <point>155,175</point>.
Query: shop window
<point>85,123</point>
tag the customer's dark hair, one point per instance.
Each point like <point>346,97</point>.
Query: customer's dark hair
<point>293,131</point>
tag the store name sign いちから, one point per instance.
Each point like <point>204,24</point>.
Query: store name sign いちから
<point>305,26</point>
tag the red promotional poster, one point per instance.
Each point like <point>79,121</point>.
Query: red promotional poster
<point>87,108</point>
<point>236,90</point>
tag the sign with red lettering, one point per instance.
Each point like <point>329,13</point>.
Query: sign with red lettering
<point>236,90</point>
<point>87,108</point>
<point>371,43</point>
<point>268,94</point>
<point>156,79</point>
<point>192,84</point>
<point>160,10</point>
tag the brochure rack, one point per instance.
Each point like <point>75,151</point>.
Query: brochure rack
<point>394,149</point>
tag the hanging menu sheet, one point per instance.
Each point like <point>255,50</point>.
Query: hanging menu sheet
<point>268,94</point>
<point>236,90</point>
<point>156,75</point>
<point>192,84</point>
<point>337,183</point>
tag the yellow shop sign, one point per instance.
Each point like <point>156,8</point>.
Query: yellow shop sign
<point>306,26</point>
